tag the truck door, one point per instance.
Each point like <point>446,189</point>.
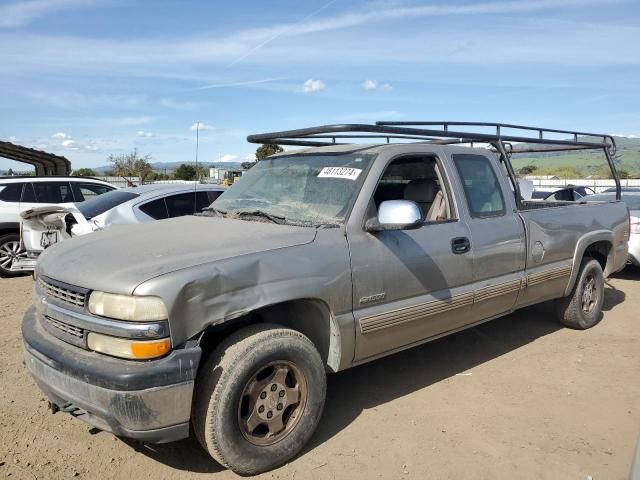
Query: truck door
<point>497,235</point>
<point>409,285</point>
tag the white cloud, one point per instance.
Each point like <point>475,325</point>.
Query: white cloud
<point>311,86</point>
<point>201,126</point>
<point>169,103</point>
<point>239,84</point>
<point>60,136</point>
<point>20,13</point>
<point>142,133</point>
<point>227,158</point>
<point>12,138</point>
<point>251,157</point>
<point>370,84</point>
<point>374,85</point>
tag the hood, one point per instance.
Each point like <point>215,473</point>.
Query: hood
<point>119,259</point>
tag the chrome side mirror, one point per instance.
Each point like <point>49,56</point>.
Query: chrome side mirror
<point>395,215</point>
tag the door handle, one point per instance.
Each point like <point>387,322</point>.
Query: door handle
<point>460,245</point>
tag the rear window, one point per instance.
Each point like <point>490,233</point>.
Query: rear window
<point>53,192</point>
<point>10,192</point>
<point>100,204</point>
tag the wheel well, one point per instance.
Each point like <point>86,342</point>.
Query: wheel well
<point>599,251</point>
<point>6,231</point>
<point>310,317</point>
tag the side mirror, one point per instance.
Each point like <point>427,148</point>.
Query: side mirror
<point>395,215</point>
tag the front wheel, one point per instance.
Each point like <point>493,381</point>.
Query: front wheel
<point>259,398</point>
<point>583,308</point>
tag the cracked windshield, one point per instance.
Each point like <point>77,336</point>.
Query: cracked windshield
<point>313,190</point>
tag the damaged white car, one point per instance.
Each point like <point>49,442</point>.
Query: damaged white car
<point>44,226</point>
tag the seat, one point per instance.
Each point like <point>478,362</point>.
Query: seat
<point>438,209</point>
<point>423,192</point>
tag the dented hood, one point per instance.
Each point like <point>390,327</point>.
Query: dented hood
<point>120,258</point>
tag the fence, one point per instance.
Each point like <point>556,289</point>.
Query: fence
<point>596,185</point>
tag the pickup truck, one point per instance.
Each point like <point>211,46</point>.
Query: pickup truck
<point>225,324</point>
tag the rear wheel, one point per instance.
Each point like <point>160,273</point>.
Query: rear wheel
<point>9,252</point>
<point>583,308</point>
<point>259,398</point>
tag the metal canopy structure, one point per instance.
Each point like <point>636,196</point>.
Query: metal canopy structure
<point>46,164</point>
<point>506,139</point>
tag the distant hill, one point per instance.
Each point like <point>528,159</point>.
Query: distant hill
<point>169,166</point>
<point>585,162</point>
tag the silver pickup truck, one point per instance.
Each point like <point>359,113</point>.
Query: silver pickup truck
<point>225,324</point>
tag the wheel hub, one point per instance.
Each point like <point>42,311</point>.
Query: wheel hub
<point>589,294</point>
<point>272,403</point>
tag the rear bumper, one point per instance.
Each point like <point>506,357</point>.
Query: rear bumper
<point>23,264</point>
<point>149,401</point>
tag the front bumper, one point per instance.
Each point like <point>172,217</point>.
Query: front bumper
<point>149,401</point>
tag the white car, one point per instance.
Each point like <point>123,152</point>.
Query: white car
<point>44,226</point>
<point>22,193</point>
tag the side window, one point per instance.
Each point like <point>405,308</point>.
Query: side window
<point>414,178</point>
<point>181,204</point>
<point>156,209</point>
<point>481,187</point>
<point>53,192</point>
<point>85,191</point>
<point>29,194</point>
<point>204,199</point>
<point>11,192</point>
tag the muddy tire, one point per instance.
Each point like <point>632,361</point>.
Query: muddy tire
<point>258,398</point>
<point>583,308</point>
<point>9,249</point>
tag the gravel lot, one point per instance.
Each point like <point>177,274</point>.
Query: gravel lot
<point>519,397</point>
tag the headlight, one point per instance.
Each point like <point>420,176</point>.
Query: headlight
<point>127,307</point>
<point>125,348</point>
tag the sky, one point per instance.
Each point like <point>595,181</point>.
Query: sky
<point>90,78</point>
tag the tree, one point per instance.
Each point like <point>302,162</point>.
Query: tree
<point>84,172</point>
<point>185,172</point>
<point>267,149</point>
<point>247,165</point>
<point>10,172</point>
<point>131,165</point>
<point>189,172</point>
<point>528,169</point>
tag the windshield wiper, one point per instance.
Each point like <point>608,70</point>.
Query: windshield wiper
<point>261,213</point>
<point>215,211</point>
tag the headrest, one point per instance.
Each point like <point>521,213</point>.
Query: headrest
<point>421,191</point>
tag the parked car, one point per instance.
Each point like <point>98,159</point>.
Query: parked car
<point>624,189</point>
<point>541,194</point>
<point>571,193</point>
<point>632,200</point>
<point>21,193</point>
<point>45,226</point>
<point>316,260</point>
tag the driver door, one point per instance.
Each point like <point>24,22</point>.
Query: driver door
<point>408,285</point>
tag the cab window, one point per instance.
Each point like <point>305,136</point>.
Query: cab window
<point>415,178</point>
<point>481,187</point>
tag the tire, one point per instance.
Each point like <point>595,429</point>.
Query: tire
<point>9,248</point>
<point>239,378</point>
<point>582,310</point>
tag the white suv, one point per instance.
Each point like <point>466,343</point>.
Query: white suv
<point>20,193</point>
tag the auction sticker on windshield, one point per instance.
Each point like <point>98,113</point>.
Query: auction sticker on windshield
<point>340,172</point>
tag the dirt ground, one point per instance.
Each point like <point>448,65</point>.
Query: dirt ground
<point>517,398</point>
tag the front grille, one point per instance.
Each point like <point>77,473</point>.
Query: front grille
<point>64,294</point>
<point>65,327</point>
